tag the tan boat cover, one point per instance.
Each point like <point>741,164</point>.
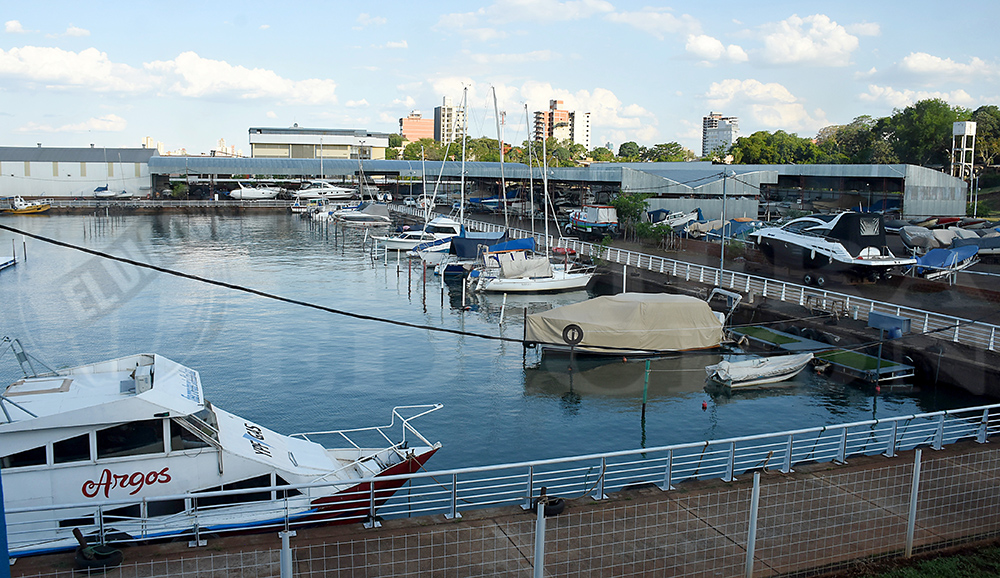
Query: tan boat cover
<point>517,269</point>
<point>637,321</point>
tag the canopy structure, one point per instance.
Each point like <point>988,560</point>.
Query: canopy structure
<point>644,322</point>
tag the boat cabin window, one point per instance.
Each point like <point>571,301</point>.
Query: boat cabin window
<point>131,439</point>
<point>182,439</point>
<point>799,226</point>
<point>32,457</point>
<point>72,450</point>
<point>263,481</point>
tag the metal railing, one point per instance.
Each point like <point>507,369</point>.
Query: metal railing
<point>956,329</point>
<point>450,492</point>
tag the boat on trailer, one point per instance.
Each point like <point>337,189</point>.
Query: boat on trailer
<point>129,449</point>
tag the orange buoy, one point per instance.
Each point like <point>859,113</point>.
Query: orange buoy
<point>704,405</point>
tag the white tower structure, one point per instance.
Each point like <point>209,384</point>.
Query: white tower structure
<point>963,148</point>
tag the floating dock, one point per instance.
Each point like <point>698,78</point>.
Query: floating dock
<point>9,263</point>
<point>853,364</point>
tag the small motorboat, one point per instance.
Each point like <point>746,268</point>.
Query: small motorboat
<point>19,206</point>
<point>757,371</point>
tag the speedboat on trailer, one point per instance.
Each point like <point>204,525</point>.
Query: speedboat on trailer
<point>129,449</point>
<point>849,242</point>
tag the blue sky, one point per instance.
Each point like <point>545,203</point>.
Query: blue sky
<point>187,74</point>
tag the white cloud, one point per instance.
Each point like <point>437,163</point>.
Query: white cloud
<point>76,31</point>
<point>365,19</point>
<point>400,44</point>
<point>60,69</point>
<point>356,103</point>
<point>712,49</point>
<point>545,10</point>
<point>903,98</point>
<point>107,123</point>
<point>934,69</point>
<point>264,26</point>
<point>193,76</point>
<point>536,56</point>
<point>771,105</point>
<point>14,27</point>
<point>865,29</point>
<point>659,22</point>
<point>271,114</point>
<point>815,40</point>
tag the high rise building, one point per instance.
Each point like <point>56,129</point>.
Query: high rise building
<point>718,130</point>
<point>415,127</point>
<point>449,122</point>
<point>562,124</point>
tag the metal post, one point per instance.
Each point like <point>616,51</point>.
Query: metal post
<point>786,468</point>
<point>285,559</point>
<point>540,540</point>
<point>624,276</point>
<point>730,463</point>
<point>645,390</point>
<point>752,530</point>
<point>722,249</point>
<point>980,435</point>
<point>911,520</point>
<point>939,434</point>
<point>4,566</point>
<point>669,473</point>
<point>890,448</point>
<point>454,515</point>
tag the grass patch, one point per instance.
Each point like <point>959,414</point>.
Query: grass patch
<point>972,563</point>
<point>766,335</point>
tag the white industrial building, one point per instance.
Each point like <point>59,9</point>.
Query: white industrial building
<point>718,131</point>
<point>74,172</point>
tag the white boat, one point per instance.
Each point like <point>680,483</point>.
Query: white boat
<point>254,193</point>
<point>436,229</point>
<point>105,192</point>
<point>128,445</point>
<point>594,219</point>
<point>758,371</point>
<point>320,189</point>
<point>365,214</point>
<point>519,271</point>
<point>630,324</point>
<point>848,242</point>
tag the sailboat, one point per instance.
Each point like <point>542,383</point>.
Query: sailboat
<point>519,271</point>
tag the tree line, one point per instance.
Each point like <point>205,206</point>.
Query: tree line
<point>560,153</point>
<point>920,134</point>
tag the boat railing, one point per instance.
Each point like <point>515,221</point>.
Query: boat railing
<point>956,329</point>
<point>398,421</point>
<point>449,492</point>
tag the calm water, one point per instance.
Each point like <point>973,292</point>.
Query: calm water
<point>295,369</point>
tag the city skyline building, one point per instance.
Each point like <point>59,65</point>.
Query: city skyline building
<point>718,130</point>
<point>414,127</point>
<point>562,124</point>
<point>449,121</point>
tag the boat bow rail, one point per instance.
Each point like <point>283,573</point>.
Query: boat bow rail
<point>398,421</point>
<point>953,328</point>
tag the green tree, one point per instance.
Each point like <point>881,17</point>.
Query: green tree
<point>395,140</point>
<point>987,120</point>
<point>433,150</point>
<point>629,152</point>
<point>776,148</point>
<point>665,153</point>
<point>602,154</point>
<point>629,207</point>
<point>920,134</point>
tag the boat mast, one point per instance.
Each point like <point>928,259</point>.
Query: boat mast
<point>503,182</point>
<point>423,188</point>
<point>531,182</point>
<point>545,192</point>
<point>465,130</point>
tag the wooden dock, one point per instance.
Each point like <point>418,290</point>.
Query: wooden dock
<point>852,364</point>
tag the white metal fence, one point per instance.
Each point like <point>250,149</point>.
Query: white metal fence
<point>768,524</point>
<point>452,492</point>
<point>957,329</point>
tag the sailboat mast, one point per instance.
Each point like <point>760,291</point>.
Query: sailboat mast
<point>465,130</point>
<point>531,182</point>
<point>503,182</point>
<point>545,192</point>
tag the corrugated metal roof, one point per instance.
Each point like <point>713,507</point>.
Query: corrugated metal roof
<point>74,155</point>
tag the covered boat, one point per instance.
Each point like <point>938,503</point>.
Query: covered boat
<point>628,324</point>
<point>130,447</point>
<point>758,371</point>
